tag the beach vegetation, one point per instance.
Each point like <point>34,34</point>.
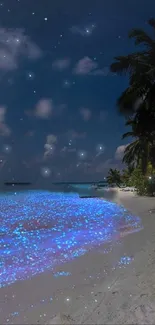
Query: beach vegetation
<point>114,177</point>
<point>137,105</point>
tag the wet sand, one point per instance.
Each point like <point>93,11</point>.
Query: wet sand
<point>126,295</point>
<point>109,285</point>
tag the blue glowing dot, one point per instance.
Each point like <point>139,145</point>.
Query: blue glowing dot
<point>62,273</point>
<point>125,260</point>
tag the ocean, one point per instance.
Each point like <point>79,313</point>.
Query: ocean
<point>82,188</point>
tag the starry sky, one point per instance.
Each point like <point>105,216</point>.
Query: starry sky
<point>58,115</point>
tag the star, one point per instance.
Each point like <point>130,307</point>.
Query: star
<point>30,75</point>
<point>100,148</point>
<point>66,84</point>
<point>81,154</point>
<point>87,31</point>
<point>45,171</point>
<point>7,148</point>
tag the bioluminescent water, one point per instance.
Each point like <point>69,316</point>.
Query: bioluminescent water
<point>40,230</point>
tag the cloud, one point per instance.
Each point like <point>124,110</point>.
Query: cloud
<point>120,152</point>
<point>51,138</point>
<point>49,146</point>
<point>101,72</point>
<point>4,129</point>
<point>115,162</point>
<point>7,61</point>
<point>85,66</point>
<point>44,109</point>
<point>14,45</point>
<point>85,113</point>
<point>72,134</point>
<point>30,133</point>
<point>61,64</point>
<point>2,114</point>
<point>106,165</point>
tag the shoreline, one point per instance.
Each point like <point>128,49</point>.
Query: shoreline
<point>98,289</point>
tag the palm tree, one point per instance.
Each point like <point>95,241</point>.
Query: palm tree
<point>114,177</point>
<point>141,69</point>
<point>137,102</point>
<point>138,151</point>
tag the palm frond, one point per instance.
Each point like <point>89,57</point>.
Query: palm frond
<point>131,153</point>
<point>127,135</point>
<point>141,37</point>
<point>130,122</point>
<point>124,64</point>
<point>126,102</point>
<point>137,152</point>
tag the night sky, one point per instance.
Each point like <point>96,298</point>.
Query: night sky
<point>58,114</point>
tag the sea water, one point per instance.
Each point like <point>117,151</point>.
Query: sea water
<point>42,229</point>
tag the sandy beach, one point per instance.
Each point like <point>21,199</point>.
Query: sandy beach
<point>111,284</point>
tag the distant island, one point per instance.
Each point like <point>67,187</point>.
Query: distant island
<point>17,183</point>
<point>80,183</point>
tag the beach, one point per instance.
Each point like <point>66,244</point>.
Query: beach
<point>111,284</point>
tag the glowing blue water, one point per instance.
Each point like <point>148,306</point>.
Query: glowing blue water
<point>40,230</point>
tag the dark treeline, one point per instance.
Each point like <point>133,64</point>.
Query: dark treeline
<point>137,105</point>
